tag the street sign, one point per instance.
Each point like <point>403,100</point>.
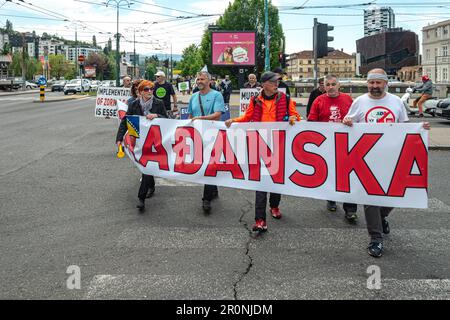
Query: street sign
<point>42,81</point>
<point>80,58</point>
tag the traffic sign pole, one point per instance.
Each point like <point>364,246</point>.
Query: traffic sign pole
<point>42,93</point>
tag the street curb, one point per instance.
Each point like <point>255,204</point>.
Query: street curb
<point>442,148</point>
<point>18,93</point>
<point>59,100</point>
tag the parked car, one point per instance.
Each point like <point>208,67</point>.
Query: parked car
<point>95,84</point>
<point>74,86</point>
<point>58,85</point>
<point>443,109</point>
<point>31,85</point>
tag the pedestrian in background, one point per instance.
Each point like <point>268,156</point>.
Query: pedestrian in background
<point>252,82</point>
<point>163,91</point>
<point>226,89</point>
<point>282,84</point>
<point>314,94</point>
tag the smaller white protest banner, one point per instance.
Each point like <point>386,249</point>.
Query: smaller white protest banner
<point>183,86</point>
<point>106,102</point>
<point>246,95</point>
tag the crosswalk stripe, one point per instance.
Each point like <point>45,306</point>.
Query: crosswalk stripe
<point>283,238</point>
<point>210,286</point>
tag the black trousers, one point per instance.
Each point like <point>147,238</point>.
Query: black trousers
<point>350,207</point>
<point>209,192</point>
<point>147,182</point>
<point>261,203</point>
<point>226,98</point>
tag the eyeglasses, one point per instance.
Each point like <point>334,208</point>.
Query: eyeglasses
<point>331,84</point>
<point>158,76</point>
<point>147,89</point>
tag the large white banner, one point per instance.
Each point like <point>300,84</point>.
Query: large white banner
<point>382,164</point>
<point>106,101</point>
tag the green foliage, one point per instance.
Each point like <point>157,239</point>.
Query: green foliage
<point>191,61</point>
<point>59,66</point>
<point>247,15</point>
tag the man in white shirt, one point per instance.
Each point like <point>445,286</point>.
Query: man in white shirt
<point>377,106</point>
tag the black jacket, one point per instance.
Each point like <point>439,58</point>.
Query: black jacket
<point>136,109</point>
<point>282,84</point>
<point>312,96</point>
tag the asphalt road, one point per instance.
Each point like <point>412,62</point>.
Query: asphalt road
<point>66,200</point>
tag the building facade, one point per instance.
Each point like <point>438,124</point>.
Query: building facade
<point>435,50</point>
<point>301,65</point>
<point>377,19</point>
<point>391,50</point>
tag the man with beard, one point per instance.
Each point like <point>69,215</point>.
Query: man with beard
<point>377,106</point>
<point>206,104</point>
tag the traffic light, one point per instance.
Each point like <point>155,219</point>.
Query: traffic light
<point>321,39</point>
<point>282,59</point>
<point>166,63</point>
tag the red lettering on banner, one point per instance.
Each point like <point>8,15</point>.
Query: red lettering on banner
<point>413,150</point>
<point>222,147</point>
<point>353,160</point>
<point>309,158</point>
<point>181,149</point>
<point>154,139</point>
<point>274,162</point>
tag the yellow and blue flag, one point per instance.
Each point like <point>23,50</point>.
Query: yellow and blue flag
<point>133,126</point>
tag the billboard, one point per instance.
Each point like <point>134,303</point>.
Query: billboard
<point>90,72</point>
<point>233,48</point>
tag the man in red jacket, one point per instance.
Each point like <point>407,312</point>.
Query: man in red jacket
<point>333,106</point>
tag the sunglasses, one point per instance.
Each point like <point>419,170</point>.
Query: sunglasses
<point>147,89</point>
<point>158,76</point>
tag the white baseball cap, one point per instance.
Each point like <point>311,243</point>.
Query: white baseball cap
<point>160,73</point>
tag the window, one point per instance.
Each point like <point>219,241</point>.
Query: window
<point>427,54</point>
<point>301,69</point>
<point>435,52</point>
<point>309,61</point>
<point>445,30</point>
<point>444,74</point>
<point>444,50</point>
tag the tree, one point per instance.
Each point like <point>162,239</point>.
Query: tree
<point>191,61</point>
<point>9,27</point>
<point>58,65</point>
<point>94,41</point>
<point>247,15</point>
<point>101,63</point>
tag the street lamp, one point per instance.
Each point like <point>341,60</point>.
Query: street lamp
<point>118,2</point>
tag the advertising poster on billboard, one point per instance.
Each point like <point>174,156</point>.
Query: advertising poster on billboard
<point>233,48</point>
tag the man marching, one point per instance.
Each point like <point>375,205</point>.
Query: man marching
<point>270,106</point>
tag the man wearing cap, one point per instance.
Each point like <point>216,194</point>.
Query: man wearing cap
<point>377,106</point>
<point>269,106</point>
<point>282,84</point>
<point>163,91</point>
<point>314,94</point>
<point>333,107</point>
<point>206,104</point>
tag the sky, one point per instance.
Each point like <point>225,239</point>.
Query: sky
<point>155,25</point>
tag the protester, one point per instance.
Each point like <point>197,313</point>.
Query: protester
<point>150,107</point>
<point>364,109</point>
<point>252,83</point>
<point>427,91</point>
<point>163,91</point>
<point>206,104</point>
<point>134,91</point>
<point>126,82</point>
<point>282,84</point>
<point>314,94</point>
<point>269,106</point>
<point>333,107</point>
<point>226,88</point>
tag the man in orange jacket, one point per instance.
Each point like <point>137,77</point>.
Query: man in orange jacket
<point>270,106</point>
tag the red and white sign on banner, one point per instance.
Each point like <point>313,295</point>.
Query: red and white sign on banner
<point>382,164</point>
<point>106,102</point>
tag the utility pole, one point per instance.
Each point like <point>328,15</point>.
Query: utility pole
<point>24,66</point>
<point>266,34</point>
<point>118,2</point>
<point>316,72</point>
<point>76,51</point>
<point>134,53</point>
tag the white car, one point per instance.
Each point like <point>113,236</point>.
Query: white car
<point>31,85</point>
<point>95,84</point>
<point>74,86</point>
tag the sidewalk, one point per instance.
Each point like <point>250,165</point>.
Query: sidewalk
<point>439,137</point>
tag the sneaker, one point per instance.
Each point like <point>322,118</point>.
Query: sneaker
<point>385,225</point>
<point>206,205</point>
<point>260,225</point>
<point>331,205</point>
<point>351,217</point>
<point>150,192</point>
<point>375,249</point>
<point>141,204</point>
<point>275,212</point>
<point>420,115</point>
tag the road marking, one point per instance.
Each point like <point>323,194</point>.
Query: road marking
<point>214,286</point>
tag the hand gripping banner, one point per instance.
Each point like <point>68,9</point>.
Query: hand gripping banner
<point>373,164</point>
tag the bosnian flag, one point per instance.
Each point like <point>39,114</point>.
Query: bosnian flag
<point>122,108</point>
